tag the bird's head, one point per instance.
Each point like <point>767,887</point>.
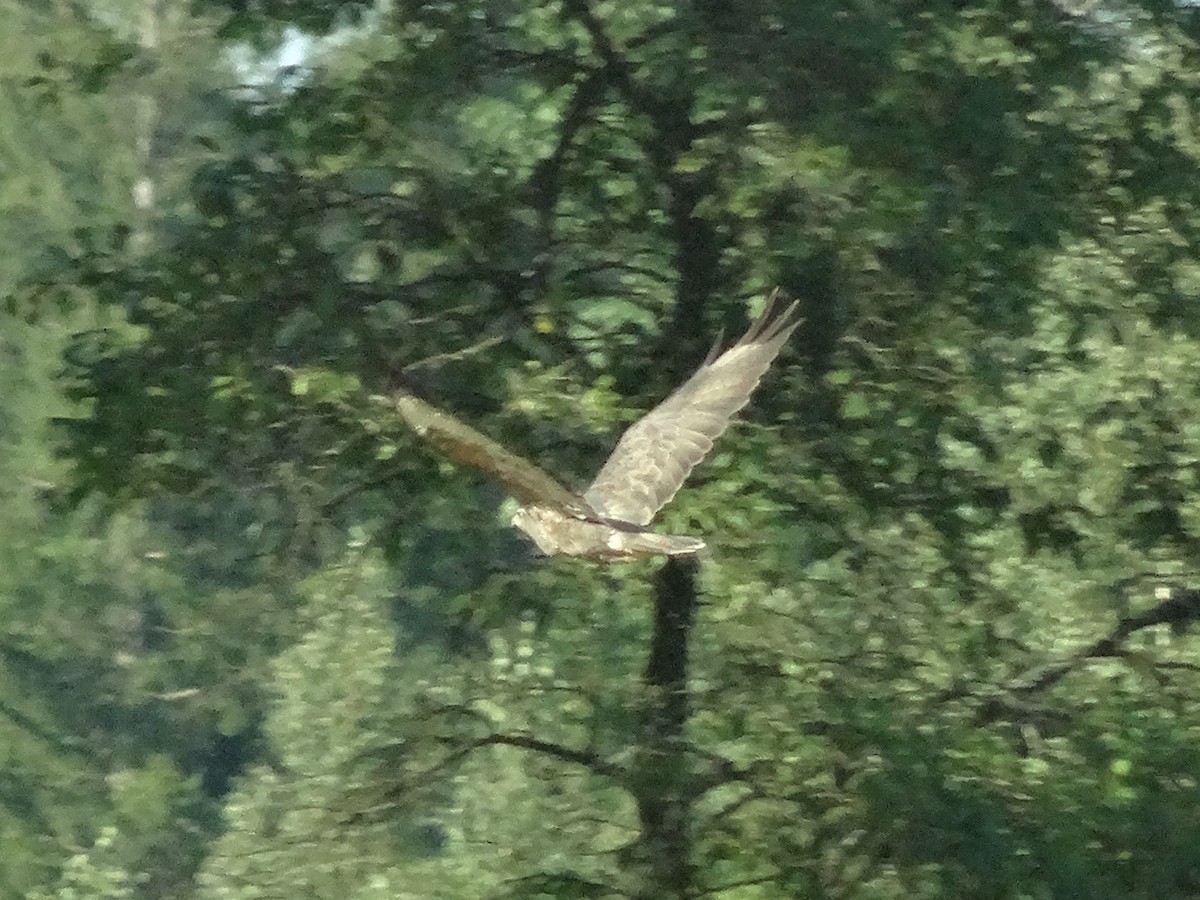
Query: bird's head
<point>522,519</point>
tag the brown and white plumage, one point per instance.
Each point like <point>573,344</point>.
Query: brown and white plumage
<point>650,463</point>
<point>658,452</point>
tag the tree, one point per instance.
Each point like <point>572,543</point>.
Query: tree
<point>916,669</point>
<point>123,707</point>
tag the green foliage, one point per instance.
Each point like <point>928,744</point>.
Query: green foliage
<point>920,668</point>
<point>117,680</point>
<point>90,876</point>
<point>121,668</point>
<point>371,788</point>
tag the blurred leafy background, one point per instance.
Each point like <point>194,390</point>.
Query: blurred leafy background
<point>258,642</point>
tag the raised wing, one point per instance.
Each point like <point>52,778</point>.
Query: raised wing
<point>464,444</point>
<point>659,451</point>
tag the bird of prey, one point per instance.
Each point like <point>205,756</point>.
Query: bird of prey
<point>648,466</point>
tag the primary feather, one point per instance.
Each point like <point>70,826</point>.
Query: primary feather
<point>658,452</point>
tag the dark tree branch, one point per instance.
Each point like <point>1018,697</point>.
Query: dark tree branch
<point>697,246</point>
<point>617,66</point>
<point>395,756</point>
<point>558,884</point>
<point>349,493</point>
<point>545,183</point>
<point>620,266</point>
<point>588,759</point>
<point>1176,664</point>
<point>1178,609</point>
<point>27,723</point>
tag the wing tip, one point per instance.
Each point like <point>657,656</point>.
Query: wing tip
<point>771,327</point>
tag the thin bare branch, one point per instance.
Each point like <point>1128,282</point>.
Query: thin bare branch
<point>733,885</point>
<point>441,358</point>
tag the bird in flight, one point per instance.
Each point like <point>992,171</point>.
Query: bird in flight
<point>648,466</point>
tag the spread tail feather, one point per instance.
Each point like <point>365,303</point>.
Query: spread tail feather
<point>669,544</point>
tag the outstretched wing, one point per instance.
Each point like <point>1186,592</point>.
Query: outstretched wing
<point>464,444</point>
<point>659,451</point>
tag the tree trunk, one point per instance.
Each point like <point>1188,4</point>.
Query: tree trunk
<point>664,785</point>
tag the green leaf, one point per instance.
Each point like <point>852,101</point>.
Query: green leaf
<point>855,406</point>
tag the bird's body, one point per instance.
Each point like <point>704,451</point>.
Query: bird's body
<point>648,466</point>
<point>602,539</point>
